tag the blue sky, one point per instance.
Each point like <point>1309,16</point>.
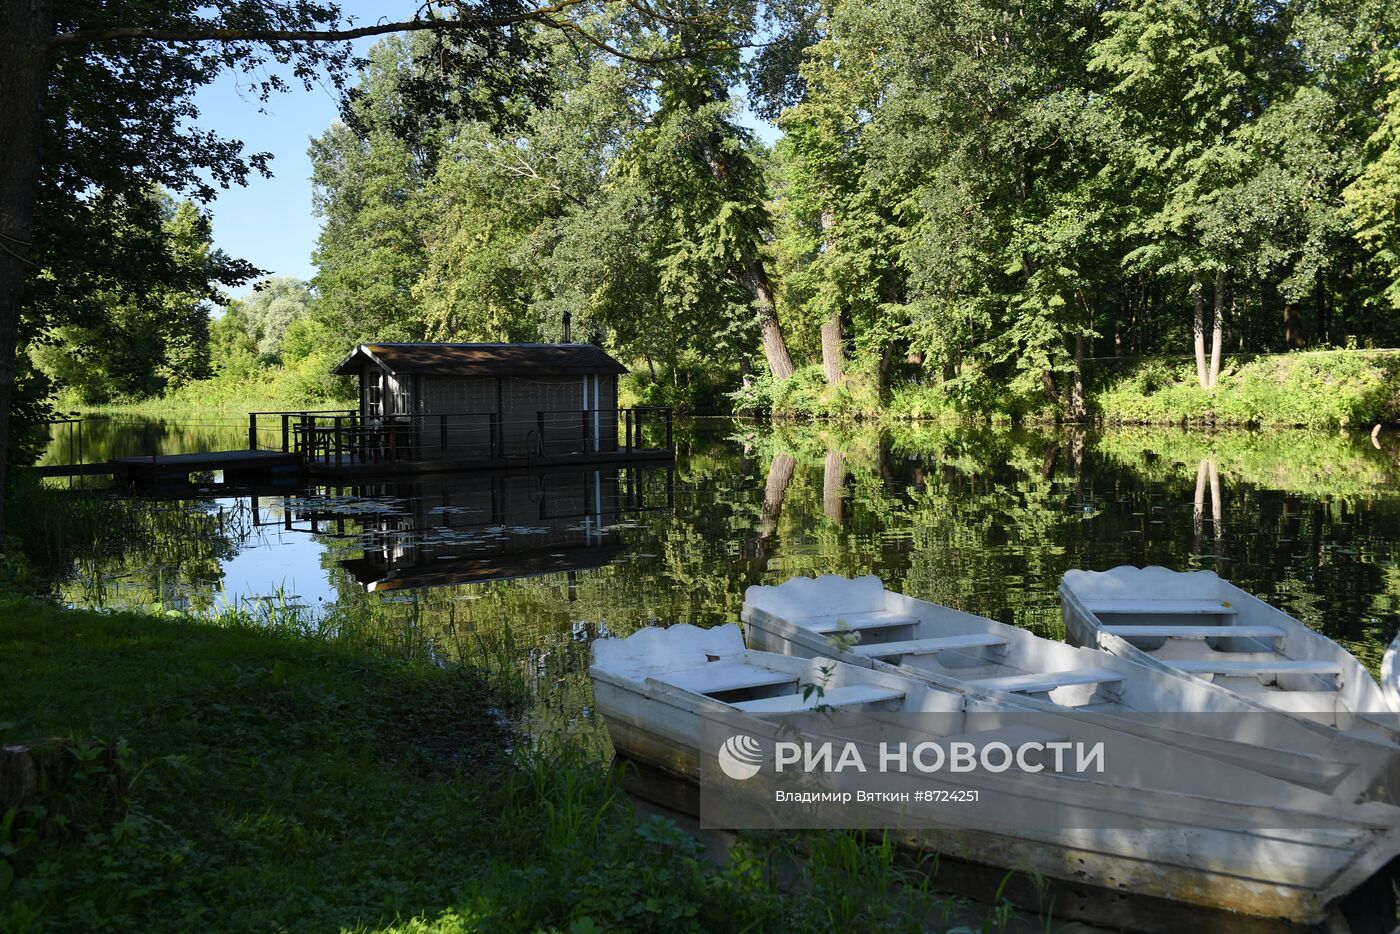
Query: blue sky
<point>269,222</point>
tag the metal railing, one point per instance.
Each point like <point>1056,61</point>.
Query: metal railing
<point>342,436</point>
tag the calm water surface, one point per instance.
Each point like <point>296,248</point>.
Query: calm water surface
<point>980,519</point>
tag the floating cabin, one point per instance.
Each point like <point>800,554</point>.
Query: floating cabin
<point>444,406</point>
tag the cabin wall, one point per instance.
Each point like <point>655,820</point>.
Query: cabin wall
<point>561,401</point>
<point>466,404</point>
<point>454,414</point>
<point>465,407</point>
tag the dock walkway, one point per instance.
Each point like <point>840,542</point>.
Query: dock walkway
<point>341,444</point>
<point>237,466</point>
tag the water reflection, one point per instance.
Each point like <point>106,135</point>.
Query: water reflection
<point>985,520</point>
<point>446,529</point>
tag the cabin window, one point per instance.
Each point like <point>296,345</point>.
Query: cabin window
<point>400,398</point>
<point>374,394</point>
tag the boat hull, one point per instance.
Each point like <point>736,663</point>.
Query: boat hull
<point>1204,868</point>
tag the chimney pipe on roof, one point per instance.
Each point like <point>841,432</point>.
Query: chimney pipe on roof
<point>568,319</point>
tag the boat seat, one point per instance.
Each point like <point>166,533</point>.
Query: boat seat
<point>1160,607</point>
<point>1014,735</point>
<point>715,678</point>
<point>931,646</point>
<point>1195,632</point>
<point>834,697</point>
<point>870,619</point>
<point>1045,682</point>
<point>1238,669</point>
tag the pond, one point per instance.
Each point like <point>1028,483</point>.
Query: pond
<point>982,519</point>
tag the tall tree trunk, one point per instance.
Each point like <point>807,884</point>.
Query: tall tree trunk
<point>1217,332</point>
<point>754,277</point>
<point>833,351</point>
<point>1292,326</point>
<point>1320,293</point>
<point>1198,331</point>
<point>752,274</point>
<point>25,27</point>
<point>1076,409</point>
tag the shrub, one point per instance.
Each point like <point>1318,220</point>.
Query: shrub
<point>1325,389</point>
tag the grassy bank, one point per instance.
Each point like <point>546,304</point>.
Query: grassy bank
<point>1318,389</point>
<point>276,779</point>
<point>270,390</point>
<point>1322,389</point>
<point>266,771</point>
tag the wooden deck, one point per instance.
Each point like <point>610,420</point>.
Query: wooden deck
<point>341,444</point>
<point>237,466</point>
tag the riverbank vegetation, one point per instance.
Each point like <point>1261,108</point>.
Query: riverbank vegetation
<point>1338,389</point>
<point>981,220</point>
<point>250,769</point>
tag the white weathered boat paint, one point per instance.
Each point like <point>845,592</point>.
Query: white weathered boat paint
<point>1273,659</point>
<point>656,688</point>
<point>1390,674</point>
<point>889,631</point>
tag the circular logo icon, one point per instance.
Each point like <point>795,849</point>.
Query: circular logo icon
<point>740,757</point>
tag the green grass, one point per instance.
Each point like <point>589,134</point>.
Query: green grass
<point>270,390</point>
<point>1322,389</point>
<point>1317,389</point>
<point>294,776</point>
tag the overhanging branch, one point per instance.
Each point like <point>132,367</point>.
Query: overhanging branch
<point>545,15</point>
<point>152,34</point>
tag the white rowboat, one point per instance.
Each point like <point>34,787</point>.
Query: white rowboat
<point>862,623</point>
<point>1196,624</point>
<point>656,688</point>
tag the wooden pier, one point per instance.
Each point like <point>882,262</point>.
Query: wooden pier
<point>238,467</point>
<point>286,446</point>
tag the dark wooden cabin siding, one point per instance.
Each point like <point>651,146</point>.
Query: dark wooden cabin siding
<point>561,401</point>
<point>467,406</point>
<point>536,414</point>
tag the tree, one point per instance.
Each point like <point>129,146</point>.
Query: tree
<point>232,350</point>
<point>136,335</point>
<point>838,250</point>
<point>699,178</point>
<point>1373,198</point>
<point>73,74</point>
<point>1190,79</point>
<point>629,200</point>
<point>956,150</point>
<point>276,304</point>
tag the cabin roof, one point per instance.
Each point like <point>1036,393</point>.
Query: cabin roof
<point>469,360</point>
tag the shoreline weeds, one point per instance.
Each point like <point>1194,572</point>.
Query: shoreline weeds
<point>312,778</point>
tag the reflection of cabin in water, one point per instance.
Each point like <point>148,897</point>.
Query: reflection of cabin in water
<point>443,529</point>
<point>449,406</point>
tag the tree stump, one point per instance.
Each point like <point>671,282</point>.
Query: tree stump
<point>73,782</point>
